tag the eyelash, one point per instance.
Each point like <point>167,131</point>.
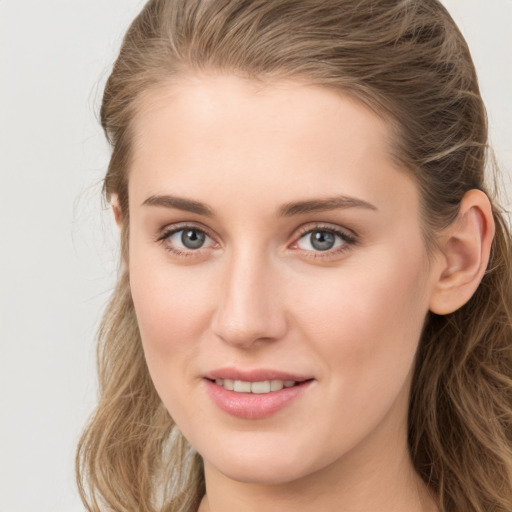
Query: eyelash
<point>172,230</point>
<point>348,239</point>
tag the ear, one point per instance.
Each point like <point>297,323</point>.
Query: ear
<point>116,209</point>
<point>465,248</point>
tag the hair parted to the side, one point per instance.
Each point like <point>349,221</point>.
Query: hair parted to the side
<point>407,60</point>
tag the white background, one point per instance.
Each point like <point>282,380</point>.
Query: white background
<point>57,242</point>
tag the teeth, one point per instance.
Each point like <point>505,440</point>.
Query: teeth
<point>276,385</point>
<point>242,386</point>
<point>265,386</point>
<point>260,387</point>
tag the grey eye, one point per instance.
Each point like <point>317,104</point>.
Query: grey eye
<point>187,238</point>
<point>320,240</point>
<point>192,238</point>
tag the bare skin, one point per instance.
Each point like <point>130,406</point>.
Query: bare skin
<point>389,485</point>
<point>230,183</point>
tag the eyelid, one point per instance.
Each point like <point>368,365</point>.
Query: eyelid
<point>349,237</point>
<point>344,232</point>
<point>166,232</point>
<point>169,229</point>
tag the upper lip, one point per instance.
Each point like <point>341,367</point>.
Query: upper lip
<point>254,375</point>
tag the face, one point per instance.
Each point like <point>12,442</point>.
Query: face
<point>278,272</point>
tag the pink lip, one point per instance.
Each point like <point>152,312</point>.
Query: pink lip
<point>252,405</point>
<point>256,375</point>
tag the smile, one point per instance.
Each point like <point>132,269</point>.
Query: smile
<point>257,398</point>
<point>261,387</point>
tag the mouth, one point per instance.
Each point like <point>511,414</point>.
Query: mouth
<point>257,394</point>
<point>256,387</point>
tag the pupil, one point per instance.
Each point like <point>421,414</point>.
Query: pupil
<point>192,239</point>
<point>322,240</point>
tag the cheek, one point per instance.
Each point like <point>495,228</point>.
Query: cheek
<point>171,312</point>
<point>366,332</point>
<point>173,307</point>
<point>368,320</point>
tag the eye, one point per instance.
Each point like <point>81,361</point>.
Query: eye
<point>322,239</point>
<point>185,239</point>
<point>189,238</point>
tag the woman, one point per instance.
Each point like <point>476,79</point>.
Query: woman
<point>314,306</point>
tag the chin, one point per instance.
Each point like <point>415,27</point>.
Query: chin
<point>265,474</point>
<point>265,466</point>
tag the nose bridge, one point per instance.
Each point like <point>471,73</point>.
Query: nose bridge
<point>249,307</point>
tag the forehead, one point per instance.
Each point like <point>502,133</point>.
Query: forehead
<point>281,140</point>
<point>199,103</point>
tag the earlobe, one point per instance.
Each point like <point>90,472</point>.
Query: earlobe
<point>116,209</point>
<point>465,248</point>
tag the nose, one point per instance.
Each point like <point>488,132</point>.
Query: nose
<point>250,309</point>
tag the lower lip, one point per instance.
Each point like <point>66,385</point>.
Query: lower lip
<point>252,406</point>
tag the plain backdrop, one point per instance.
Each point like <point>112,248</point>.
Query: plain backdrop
<point>58,244</point>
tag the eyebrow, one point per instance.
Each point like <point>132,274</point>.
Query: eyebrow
<point>179,203</point>
<point>322,205</point>
<point>287,210</point>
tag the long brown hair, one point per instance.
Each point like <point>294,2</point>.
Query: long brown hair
<point>407,60</point>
